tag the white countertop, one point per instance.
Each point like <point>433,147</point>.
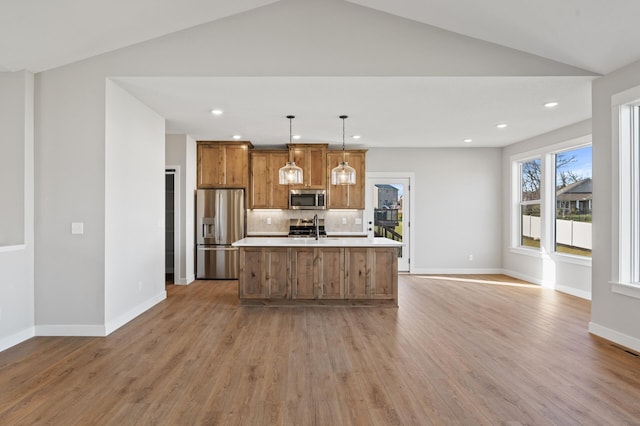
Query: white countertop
<point>312,242</point>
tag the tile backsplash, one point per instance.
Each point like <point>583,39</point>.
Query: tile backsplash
<point>260,222</point>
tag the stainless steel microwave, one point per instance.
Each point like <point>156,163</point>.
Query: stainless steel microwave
<point>307,199</point>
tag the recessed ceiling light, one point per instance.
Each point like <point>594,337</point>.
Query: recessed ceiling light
<point>467,140</point>
<point>551,104</point>
<point>237,137</point>
<point>296,137</point>
<point>216,111</point>
<point>356,137</point>
<point>501,126</point>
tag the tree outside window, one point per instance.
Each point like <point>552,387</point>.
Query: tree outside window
<point>530,181</point>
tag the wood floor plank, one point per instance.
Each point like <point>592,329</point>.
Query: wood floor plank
<point>476,349</point>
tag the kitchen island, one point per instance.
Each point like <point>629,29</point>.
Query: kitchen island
<point>326,271</point>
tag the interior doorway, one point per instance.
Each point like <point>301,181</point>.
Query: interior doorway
<point>389,213</point>
<point>171,224</point>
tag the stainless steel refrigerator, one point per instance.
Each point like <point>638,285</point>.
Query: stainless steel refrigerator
<point>220,217</point>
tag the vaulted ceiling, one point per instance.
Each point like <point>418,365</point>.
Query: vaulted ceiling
<point>593,36</point>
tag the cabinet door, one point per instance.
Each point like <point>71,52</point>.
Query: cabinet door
<point>298,155</point>
<point>312,158</point>
<point>277,272</point>
<point>355,193</point>
<point>303,273</point>
<point>384,273</point>
<point>331,273</point>
<point>236,170</point>
<point>259,180</point>
<point>279,194</point>
<point>252,276</point>
<point>358,274</point>
<point>346,196</point>
<point>210,165</point>
<point>317,167</point>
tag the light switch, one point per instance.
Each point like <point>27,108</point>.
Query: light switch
<point>344,220</point>
<point>268,221</point>
<point>77,228</point>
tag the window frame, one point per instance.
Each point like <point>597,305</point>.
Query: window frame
<point>625,278</point>
<point>522,203</point>
<point>547,202</point>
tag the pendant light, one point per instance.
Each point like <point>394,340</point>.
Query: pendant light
<point>290,174</point>
<point>343,174</point>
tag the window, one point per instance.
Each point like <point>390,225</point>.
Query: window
<point>573,201</point>
<point>626,194</point>
<point>552,202</point>
<point>635,212</point>
<point>530,189</point>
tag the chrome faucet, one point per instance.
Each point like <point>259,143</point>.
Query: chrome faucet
<point>316,225</point>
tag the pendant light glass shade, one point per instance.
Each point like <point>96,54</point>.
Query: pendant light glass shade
<point>290,174</point>
<point>343,174</point>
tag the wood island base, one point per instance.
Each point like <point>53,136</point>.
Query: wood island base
<point>318,276</point>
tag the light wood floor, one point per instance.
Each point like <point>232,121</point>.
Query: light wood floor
<point>470,350</point>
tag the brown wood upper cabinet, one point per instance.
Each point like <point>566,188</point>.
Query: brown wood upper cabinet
<point>312,158</point>
<point>266,192</point>
<point>223,164</point>
<point>347,196</point>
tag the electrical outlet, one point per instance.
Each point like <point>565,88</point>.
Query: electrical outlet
<point>470,257</point>
<point>344,220</point>
<point>77,228</point>
<point>358,221</point>
<point>139,285</point>
<point>268,221</point>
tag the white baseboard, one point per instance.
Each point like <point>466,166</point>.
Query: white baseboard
<point>121,320</point>
<point>558,287</point>
<point>615,336</point>
<point>185,281</point>
<point>99,330</point>
<point>16,338</point>
<point>525,277</point>
<point>574,292</point>
<point>70,330</point>
<point>455,271</point>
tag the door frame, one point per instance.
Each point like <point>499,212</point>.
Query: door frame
<point>411,177</point>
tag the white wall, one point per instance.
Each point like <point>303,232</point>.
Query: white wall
<point>134,202</point>
<point>12,123</point>
<point>550,271</point>
<point>613,316</point>
<point>16,261</point>
<point>180,150</point>
<point>452,186</point>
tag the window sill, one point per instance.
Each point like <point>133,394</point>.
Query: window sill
<point>627,289</point>
<point>567,258</point>
<point>527,252</point>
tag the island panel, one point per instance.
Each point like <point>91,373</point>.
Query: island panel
<point>317,273</point>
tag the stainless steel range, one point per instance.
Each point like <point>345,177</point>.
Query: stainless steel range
<point>301,228</point>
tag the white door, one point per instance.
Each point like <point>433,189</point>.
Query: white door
<point>388,212</point>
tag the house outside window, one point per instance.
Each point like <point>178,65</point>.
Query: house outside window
<point>573,201</point>
<point>530,190</point>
